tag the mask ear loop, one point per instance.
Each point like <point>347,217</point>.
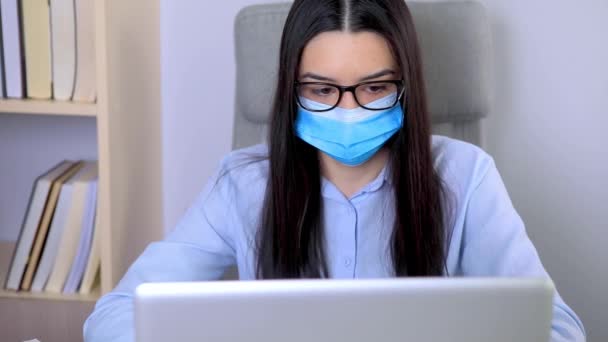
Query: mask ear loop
<point>403,97</point>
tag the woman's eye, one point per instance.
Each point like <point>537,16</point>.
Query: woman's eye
<point>375,89</point>
<point>324,91</point>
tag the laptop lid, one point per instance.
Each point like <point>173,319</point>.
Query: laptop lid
<point>423,309</point>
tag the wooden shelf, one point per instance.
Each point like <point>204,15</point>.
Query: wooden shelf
<point>128,126</point>
<point>50,296</point>
<point>47,107</point>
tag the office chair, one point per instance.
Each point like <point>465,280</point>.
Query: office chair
<point>455,40</point>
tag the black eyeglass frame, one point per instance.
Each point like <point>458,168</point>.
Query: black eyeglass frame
<point>352,89</point>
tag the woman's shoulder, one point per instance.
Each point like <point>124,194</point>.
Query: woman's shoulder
<point>252,155</point>
<point>459,163</point>
<point>245,166</point>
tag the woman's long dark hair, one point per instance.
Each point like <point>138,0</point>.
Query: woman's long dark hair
<point>290,239</point>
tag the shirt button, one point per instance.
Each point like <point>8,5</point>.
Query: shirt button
<point>347,262</point>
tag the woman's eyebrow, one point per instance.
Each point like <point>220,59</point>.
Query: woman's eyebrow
<point>366,78</point>
<point>317,77</point>
<point>378,74</point>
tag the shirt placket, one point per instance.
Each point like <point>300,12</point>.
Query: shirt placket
<point>349,252</point>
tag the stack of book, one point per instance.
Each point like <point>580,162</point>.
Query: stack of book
<point>58,247</point>
<point>47,50</point>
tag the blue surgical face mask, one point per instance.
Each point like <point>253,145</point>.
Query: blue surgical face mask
<point>350,136</point>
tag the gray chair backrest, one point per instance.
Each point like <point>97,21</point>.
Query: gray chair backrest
<point>455,40</point>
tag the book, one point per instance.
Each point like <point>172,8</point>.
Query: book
<point>91,274</point>
<point>85,89</point>
<point>84,245</point>
<point>33,214</point>
<point>12,48</point>
<point>51,246</point>
<point>43,227</point>
<point>63,48</point>
<point>37,47</point>
<point>70,236</point>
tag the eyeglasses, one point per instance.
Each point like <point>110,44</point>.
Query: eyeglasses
<point>374,95</point>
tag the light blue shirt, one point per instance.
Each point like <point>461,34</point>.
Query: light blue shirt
<point>488,238</point>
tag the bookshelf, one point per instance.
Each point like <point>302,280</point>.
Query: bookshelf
<point>122,130</point>
<point>41,107</point>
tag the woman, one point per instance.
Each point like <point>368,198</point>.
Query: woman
<point>351,185</point>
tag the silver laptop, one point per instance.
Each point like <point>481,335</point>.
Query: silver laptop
<point>423,309</point>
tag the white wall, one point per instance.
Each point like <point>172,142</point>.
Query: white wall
<point>198,90</point>
<point>545,133</point>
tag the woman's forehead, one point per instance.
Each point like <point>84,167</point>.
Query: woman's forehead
<point>347,56</point>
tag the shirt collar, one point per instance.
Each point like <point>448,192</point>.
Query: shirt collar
<point>328,189</point>
<point>383,177</point>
